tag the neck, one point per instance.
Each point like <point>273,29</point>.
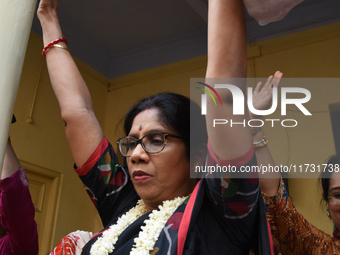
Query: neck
<point>150,207</point>
<point>152,204</point>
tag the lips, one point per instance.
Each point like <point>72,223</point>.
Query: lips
<point>140,176</point>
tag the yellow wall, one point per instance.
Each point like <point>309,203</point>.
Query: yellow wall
<point>312,53</point>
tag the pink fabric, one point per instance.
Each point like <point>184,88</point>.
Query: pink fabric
<point>271,243</point>
<point>184,226</point>
<point>17,216</point>
<point>240,161</point>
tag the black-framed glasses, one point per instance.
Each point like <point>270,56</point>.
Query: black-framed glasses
<point>334,199</point>
<point>152,143</point>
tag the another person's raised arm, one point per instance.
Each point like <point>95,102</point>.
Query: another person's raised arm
<point>11,162</point>
<point>262,100</point>
<point>82,129</point>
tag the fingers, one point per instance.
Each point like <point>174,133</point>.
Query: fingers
<point>257,88</point>
<point>48,4</point>
<point>278,74</point>
<point>265,87</point>
<point>273,81</point>
<point>268,83</point>
<point>277,79</point>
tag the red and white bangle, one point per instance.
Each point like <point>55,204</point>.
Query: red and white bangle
<point>52,43</point>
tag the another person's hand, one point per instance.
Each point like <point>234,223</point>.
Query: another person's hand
<point>262,97</point>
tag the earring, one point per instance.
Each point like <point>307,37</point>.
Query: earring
<point>328,213</point>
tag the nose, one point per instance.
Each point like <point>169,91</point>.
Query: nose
<point>139,154</point>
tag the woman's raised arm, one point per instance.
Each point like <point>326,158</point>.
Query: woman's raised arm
<point>262,100</point>
<point>82,129</point>
<point>227,58</point>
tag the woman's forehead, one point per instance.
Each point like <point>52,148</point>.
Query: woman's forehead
<point>334,181</point>
<point>148,120</point>
<point>146,116</point>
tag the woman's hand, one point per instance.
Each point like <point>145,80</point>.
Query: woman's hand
<point>47,15</point>
<point>46,6</point>
<point>262,97</point>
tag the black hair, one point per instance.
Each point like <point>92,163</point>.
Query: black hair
<point>326,175</point>
<point>178,113</point>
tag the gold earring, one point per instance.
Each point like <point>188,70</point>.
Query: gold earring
<point>328,213</point>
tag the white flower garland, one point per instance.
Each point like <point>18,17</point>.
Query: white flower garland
<point>147,237</point>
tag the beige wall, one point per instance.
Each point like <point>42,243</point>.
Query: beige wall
<point>312,53</point>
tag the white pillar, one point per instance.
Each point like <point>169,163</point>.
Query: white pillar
<point>16,18</point>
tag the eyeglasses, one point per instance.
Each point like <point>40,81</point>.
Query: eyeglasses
<point>152,143</point>
<point>334,199</point>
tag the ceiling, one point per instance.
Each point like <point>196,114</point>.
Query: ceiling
<point>118,37</point>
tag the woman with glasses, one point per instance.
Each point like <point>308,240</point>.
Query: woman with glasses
<point>292,233</point>
<point>154,207</point>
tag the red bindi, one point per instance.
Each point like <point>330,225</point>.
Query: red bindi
<point>140,128</point>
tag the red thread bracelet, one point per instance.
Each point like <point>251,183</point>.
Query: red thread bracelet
<point>48,46</point>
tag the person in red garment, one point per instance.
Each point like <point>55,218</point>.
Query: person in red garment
<point>18,230</point>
